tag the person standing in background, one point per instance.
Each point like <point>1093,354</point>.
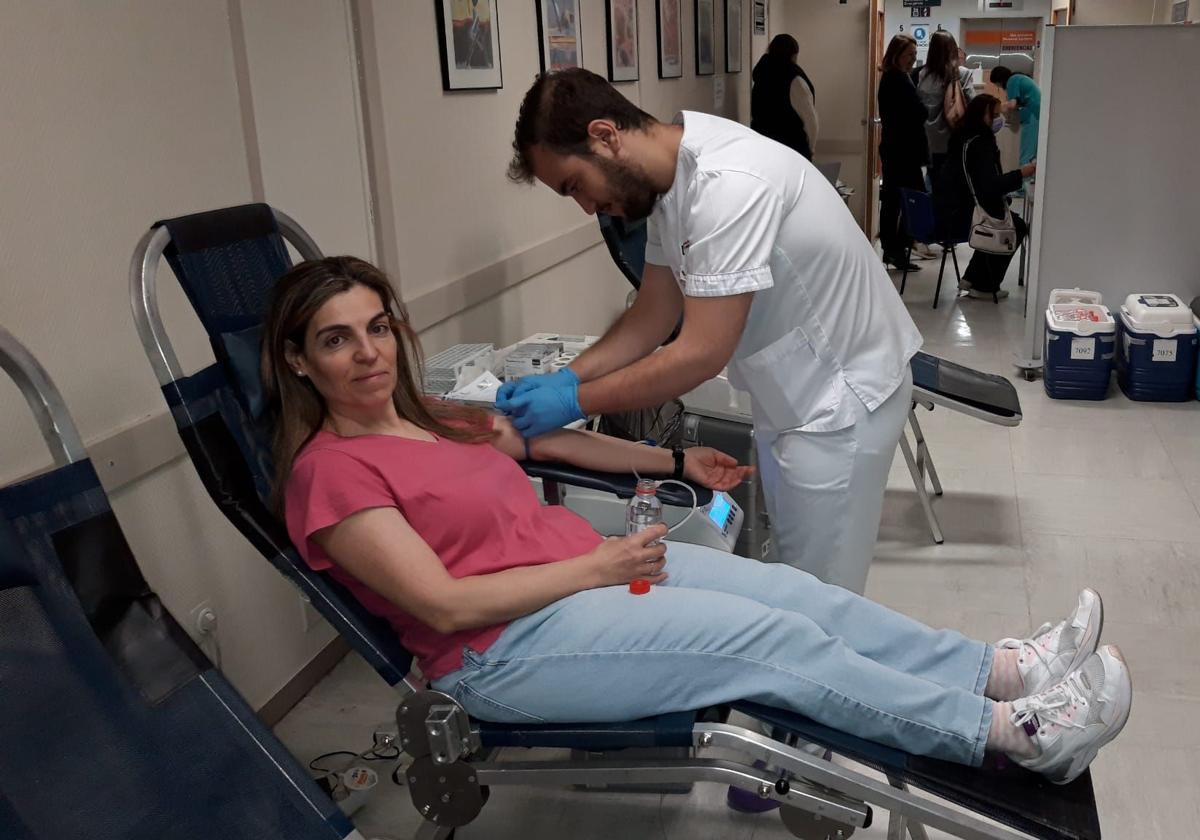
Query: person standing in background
<point>783,99</point>
<point>903,147</point>
<point>941,68</point>
<point>1025,97</point>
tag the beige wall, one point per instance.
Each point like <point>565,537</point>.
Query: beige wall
<point>331,111</point>
<point>137,118</point>
<point>454,210</point>
<point>1113,12</point>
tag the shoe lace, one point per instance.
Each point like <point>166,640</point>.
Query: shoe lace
<point>1051,704</point>
<point>1030,644</point>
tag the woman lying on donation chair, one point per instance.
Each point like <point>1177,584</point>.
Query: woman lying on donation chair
<point>522,612</point>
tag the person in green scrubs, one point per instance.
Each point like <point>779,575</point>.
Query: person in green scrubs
<point>1025,97</point>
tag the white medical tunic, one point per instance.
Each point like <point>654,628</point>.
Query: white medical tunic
<point>747,214</point>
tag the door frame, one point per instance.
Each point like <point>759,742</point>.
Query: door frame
<point>871,166</point>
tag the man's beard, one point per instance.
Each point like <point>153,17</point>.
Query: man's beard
<point>630,187</point>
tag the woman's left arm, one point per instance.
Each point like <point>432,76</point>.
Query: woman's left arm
<point>602,453</point>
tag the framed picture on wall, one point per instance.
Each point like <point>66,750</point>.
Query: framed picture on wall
<point>559,37</point>
<point>760,17</point>
<point>670,38</point>
<point>469,42</point>
<point>733,36</point>
<point>706,33</point>
<point>621,17</point>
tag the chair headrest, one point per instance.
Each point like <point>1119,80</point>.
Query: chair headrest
<point>242,352</point>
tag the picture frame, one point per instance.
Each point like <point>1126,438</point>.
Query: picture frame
<point>734,20</point>
<point>469,44</point>
<point>560,37</point>
<point>669,15</point>
<point>759,25</point>
<point>706,32</point>
<point>622,30</point>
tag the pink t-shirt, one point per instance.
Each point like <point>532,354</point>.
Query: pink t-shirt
<point>471,503</point>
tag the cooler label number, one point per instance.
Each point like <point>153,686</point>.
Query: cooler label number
<point>1164,350</point>
<point>1083,349</point>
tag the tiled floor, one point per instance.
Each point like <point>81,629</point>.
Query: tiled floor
<point>1105,494</point>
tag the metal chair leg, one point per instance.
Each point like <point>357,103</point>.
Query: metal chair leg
<point>898,824</point>
<point>904,276</point>
<point>954,256</point>
<point>938,291</point>
<point>923,456</point>
<point>918,477</point>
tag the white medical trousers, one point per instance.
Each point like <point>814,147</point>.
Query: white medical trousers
<point>825,490</point>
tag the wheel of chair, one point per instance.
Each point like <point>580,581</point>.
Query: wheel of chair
<point>809,826</point>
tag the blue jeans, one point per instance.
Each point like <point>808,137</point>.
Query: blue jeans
<point>724,628</point>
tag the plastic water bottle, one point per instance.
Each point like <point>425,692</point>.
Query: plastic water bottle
<point>644,509</point>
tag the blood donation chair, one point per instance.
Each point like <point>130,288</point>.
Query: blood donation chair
<point>227,261</point>
<point>114,725</point>
<point>984,396</point>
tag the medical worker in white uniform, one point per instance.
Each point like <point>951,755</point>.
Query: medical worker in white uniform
<point>758,253</point>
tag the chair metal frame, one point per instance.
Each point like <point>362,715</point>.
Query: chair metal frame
<point>948,246</point>
<point>66,447</point>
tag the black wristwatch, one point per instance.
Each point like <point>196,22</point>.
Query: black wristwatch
<point>677,454</point>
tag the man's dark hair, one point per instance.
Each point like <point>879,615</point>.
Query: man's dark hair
<point>557,110</point>
<point>1000,75</point>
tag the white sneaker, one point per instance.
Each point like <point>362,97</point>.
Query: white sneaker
<point>1072,720</point>
<point>923,252</point>
<point>1056,650</point>
<point>1000,294</point>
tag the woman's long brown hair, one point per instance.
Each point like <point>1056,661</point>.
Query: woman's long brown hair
<point>942,56</point>
<point>294,404</point>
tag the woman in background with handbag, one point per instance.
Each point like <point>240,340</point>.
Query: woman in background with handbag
<point>971,198</point>
<point>945,90</point>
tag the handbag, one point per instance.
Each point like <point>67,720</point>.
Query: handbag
<point>954,104</point>
<point>988,234</point>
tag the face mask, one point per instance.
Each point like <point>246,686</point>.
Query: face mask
<point>997,124</point>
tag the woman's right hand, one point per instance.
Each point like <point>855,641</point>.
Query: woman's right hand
<point>618,560</point>
<point>1029,169</point>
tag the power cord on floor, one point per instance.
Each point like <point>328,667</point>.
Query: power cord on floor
<point>349,783</point>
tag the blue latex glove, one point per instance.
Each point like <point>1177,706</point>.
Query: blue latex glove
<point>543,409</point>
<point>508,390</point>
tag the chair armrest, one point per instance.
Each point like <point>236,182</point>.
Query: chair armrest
<point>619,484</point>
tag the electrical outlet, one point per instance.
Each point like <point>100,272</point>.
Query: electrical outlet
<point>203,619</point>
<point>309,616</point>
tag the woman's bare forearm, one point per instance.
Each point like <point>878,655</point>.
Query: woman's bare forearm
<point>484,600</point>
<point>602,453</point>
